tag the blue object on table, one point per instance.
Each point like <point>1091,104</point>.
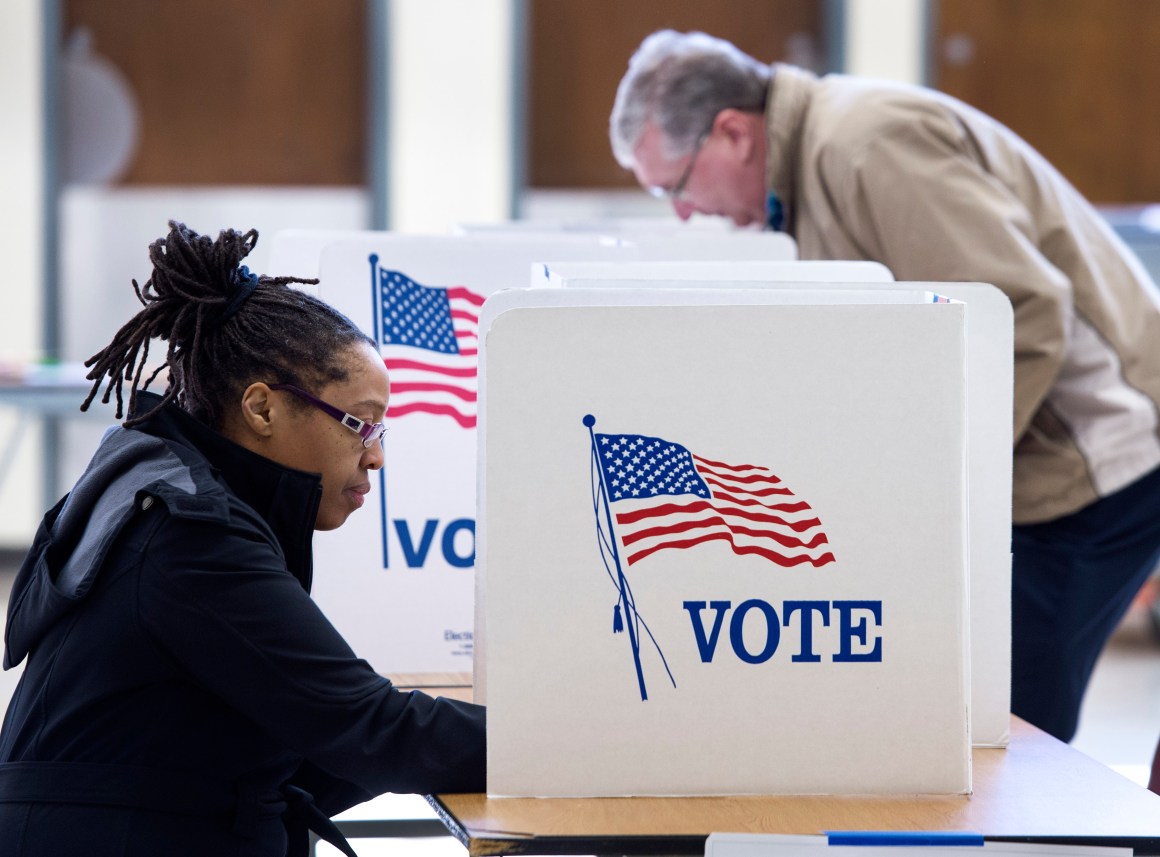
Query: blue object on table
<point>901,837</point>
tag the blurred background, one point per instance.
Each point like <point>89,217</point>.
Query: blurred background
<point>416,115</point>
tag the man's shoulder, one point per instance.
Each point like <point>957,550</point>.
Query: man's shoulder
<point>858,105</point>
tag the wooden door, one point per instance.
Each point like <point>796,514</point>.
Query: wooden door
<point>1078,79</point>
<point>578,50</point>
<point>265,92</point>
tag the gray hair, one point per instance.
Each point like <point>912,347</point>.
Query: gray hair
<point>680,82</point>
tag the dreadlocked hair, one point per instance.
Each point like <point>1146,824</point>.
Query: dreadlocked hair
<point>220,339</point>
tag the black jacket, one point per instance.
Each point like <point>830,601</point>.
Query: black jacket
<point>182,689</point>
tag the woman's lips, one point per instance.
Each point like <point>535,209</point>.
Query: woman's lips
<point>357,494</point>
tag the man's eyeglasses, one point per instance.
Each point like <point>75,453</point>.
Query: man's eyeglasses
<point>371,433</point>
<point>677,191</point>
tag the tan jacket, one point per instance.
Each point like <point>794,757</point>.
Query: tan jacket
<point>936,190</point>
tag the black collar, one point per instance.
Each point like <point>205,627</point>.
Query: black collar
<point>287,499</point>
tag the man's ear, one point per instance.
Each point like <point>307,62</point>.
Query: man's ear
<point>258,410</point>
<point>737,128</point>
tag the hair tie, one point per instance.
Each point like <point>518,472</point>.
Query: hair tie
<point>249,282</point>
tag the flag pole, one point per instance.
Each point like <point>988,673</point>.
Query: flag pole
<point>376,299</point>
<point>377,320</point>
<point>629,614</point>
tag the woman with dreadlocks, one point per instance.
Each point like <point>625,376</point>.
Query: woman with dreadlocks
<point>182,693</point>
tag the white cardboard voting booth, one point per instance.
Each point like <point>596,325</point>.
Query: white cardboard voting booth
<point>990,360</point>
<point>722,542</point>
<point>298,252</point>
<point>660,238</point>
<point>397,579</point>
<point>704,273</point>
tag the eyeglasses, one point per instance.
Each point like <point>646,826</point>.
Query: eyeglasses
<point>371,433</point>
<point>677,191</point>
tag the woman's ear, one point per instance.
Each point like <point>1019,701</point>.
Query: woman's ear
<point>258,410</point>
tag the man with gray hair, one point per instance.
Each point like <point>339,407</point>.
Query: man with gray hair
<point>860,169</point>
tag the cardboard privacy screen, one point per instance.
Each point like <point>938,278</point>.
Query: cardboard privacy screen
<point>722,544</point>
<point>397,579</point>
<point>990,375</point>
<point>693,273</point>
<point>659,238</point>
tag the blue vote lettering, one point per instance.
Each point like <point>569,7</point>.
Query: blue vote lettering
<point>848,630</point>
<point>772,631</point>
<point>415,555</point>
<point>806,652</point>
<point>706,646</point>
<point>454,559</point>
<point>851,628</point>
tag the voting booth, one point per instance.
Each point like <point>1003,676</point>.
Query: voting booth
<point>723,541</point>
<point>990,378</point>
<point>397,578</point>
<point>704,273</point>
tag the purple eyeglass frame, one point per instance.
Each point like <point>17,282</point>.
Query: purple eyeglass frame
<point>371,433</point>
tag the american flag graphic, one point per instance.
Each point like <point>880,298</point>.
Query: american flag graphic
<point>662,496</point>
<point>429,337</point>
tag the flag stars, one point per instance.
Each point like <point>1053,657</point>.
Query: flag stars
<point>644,466</point>
<point>416,315</point>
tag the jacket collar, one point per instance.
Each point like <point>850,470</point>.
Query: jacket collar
<point>790,91</point>
<point>287,499</point>
<point>183,464</point>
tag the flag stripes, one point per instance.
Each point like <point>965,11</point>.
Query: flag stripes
<point>665,497</point>
<point>429,338</point>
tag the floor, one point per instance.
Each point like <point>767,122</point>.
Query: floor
<point>1119,725</point>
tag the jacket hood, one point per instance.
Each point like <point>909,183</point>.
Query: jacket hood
<point>172,458</point>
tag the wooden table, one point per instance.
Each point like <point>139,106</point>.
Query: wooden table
<point>451,685</point>
<point>1037,790</point>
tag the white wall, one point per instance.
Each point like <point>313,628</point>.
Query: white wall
<point>450,112</point>
<point>885,39</point>
<point>21,248</point>
<point>21,172</point>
